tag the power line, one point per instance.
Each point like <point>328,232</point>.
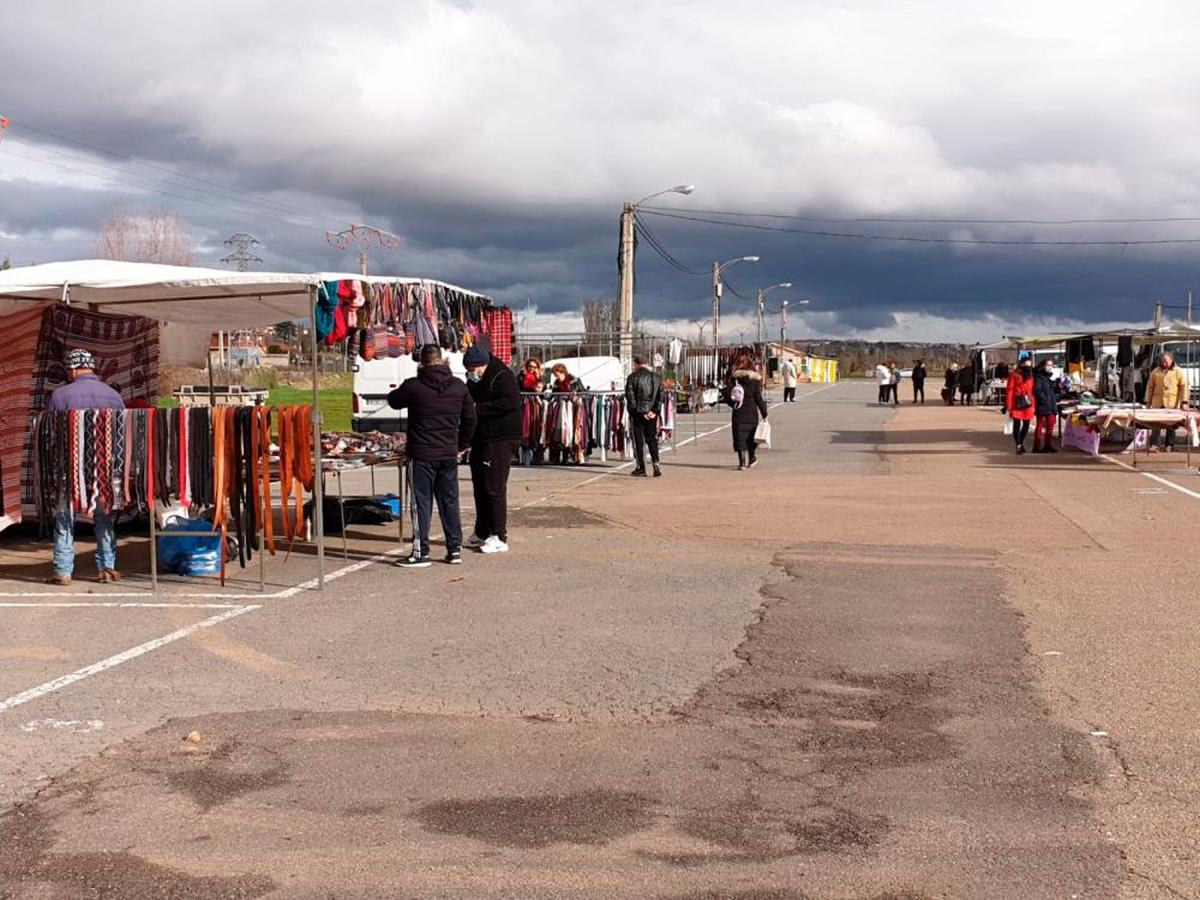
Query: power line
<point>279,205</point>
<point>658,247</point>
<point>913,220</point>
<point>226,206</point>
<point>912,239</point>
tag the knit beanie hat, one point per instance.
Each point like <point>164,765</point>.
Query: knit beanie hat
<point>80,359</point>
<point>476,356</point>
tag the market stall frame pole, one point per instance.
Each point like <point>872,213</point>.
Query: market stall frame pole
<point>318,516</point>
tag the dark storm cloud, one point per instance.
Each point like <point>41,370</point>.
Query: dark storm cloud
<point>500,139</point>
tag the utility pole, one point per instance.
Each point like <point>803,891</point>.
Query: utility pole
<point>783,327</point>
<point>625,287</point>
<point>760,315</point>
<point>716,315</point>
<point>1189,307</point>
<point>240,256</point>
<point>1158,311</point>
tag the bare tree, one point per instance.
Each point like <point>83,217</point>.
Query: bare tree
<point>601,323</point>
<point>156,235</point>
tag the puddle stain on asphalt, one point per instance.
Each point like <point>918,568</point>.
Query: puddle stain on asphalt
<point>27,862</point>
<point>588,817</point>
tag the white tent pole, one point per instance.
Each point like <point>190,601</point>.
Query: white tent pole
<point>318,492</point>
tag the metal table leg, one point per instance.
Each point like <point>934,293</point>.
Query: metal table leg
<point>342,509</point>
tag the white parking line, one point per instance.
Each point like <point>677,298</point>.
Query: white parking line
<point>58,684</point>
<point>1172,485</point>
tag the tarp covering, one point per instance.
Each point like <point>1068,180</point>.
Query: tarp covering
<point>214,298</point>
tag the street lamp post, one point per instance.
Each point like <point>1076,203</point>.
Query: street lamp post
<point>717,269</point>
<point>762,295</point>
<point>625,271</point>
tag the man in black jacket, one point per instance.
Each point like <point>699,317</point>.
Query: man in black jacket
<point>643,401</point>
<point>441,421</point>
<point>493,387</point>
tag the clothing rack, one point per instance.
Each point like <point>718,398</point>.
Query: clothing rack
<point>217,459</point>
<point>613,440</point>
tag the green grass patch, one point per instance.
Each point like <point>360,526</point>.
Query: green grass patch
<point>335,403</point>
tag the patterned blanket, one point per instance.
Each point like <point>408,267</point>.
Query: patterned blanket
<point>126,350</point>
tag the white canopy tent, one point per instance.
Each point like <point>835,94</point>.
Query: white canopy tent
<point>211,298</point>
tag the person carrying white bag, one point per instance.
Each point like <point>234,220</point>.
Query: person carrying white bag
<point>744,393</point>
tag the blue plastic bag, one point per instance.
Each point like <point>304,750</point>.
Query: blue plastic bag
<point>199,555</point>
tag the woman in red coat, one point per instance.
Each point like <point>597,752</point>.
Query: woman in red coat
<point>1019,401</point>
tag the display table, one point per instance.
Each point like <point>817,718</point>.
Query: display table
<point>358,462</point>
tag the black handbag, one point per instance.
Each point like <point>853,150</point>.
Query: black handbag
<point>1023,401</point>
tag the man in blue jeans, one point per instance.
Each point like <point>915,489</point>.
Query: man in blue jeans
<point>441,422</point>
<point>83,391</point>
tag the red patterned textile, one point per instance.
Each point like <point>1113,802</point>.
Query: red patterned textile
<point>126,351</point>
<point>21,332</point>
<point>499,323</point>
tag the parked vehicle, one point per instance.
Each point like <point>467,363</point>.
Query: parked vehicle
<point>374,380</point>
<point>598,373</point>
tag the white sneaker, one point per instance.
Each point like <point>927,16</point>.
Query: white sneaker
<point>494,545</point>
<point>474,542</point>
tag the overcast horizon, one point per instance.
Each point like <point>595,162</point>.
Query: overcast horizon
<point>499,140</point>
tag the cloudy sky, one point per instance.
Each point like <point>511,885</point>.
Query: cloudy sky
<point>500,138</point>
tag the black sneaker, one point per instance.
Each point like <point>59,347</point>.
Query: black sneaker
<point>453,557</point>
<point>638,473</point>
<point>415,561</point>
<point>657,471</point>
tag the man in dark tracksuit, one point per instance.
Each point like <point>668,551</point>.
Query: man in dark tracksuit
<point>497,397</point>
<point>441,421</point>
<point>643,401</point>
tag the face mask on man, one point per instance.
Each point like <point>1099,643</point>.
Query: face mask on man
<point>474,376</point>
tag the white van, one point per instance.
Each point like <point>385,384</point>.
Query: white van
<point>374,380</point>
<point>598,373</point>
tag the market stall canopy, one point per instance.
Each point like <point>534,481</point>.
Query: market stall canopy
<point>178,294</point>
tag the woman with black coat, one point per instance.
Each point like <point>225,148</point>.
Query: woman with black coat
<point>1045,399</point>
<point>744,393</point>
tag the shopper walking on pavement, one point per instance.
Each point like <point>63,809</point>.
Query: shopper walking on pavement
<point>1020,402</point>
<point>744,394</point>
<point>895,385</point>
<point>1167,389</point>
<point>1045,401</point>
<point>84,390</point>
<point>789,374</point>
<point>919,374</point>
<point>493,388</point>
<point>441,423</point>
<point>643,401</point>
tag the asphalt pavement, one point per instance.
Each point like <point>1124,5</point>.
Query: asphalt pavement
<point>892,661</point>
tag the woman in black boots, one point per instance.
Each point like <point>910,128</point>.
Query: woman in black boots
<point>744,393</point>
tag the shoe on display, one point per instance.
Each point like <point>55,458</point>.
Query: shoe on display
<point>415,561</point>
<point>474,542</point>
<point>494,545</point>
<point>453,557</point>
